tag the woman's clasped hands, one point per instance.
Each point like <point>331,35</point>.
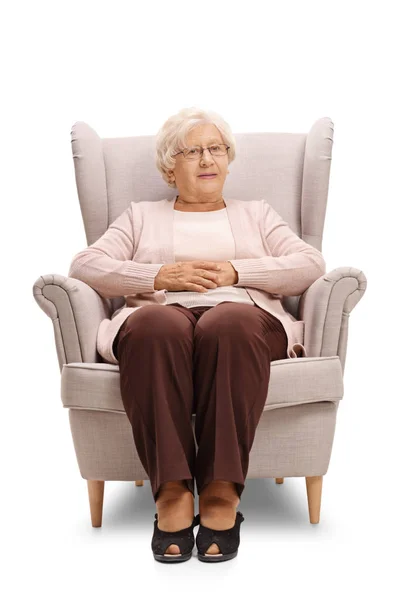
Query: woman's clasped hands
<point>195,276</point>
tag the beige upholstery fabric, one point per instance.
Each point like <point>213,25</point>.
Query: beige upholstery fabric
<point>290,170</point>
<point>95,386</point>
<point>325,308</point>
<point>289,442</point>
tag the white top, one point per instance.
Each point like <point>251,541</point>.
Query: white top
<point>205,236</point>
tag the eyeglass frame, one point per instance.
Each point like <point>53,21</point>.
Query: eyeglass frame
<point>202,150</point>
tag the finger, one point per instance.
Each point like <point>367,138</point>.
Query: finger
<point>197,288</point>
<point>205,282</point>
<point>207,275</point>
<point>207,265</point>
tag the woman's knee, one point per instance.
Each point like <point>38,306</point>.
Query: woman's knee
<point>155,321</point>
<point>233,318</point>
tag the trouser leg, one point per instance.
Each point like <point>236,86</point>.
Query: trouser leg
<point>233,346</point>
<point>154,350</point>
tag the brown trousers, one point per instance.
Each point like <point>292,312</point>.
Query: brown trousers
<point>212,361</point>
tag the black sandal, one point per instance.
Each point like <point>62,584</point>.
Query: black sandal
<point>227,540</point>
<point>184,538</point>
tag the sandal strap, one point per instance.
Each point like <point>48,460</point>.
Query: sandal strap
<point>227,540</point>
<point>184,538</point>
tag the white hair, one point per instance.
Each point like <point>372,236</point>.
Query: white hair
<point>171,138</point>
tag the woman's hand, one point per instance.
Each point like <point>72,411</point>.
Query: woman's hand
<point>195,276</point>
<point>227,275</point>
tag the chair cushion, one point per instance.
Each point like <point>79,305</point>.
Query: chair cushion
<point>96,386</point>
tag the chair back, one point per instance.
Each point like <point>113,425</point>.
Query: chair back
<point>289,170</point>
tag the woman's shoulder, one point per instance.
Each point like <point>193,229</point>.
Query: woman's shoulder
<point>255,208</point>
<point>150,205</point>
<point>146,208</point>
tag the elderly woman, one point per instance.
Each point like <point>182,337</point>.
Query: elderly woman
<point>203,276</point>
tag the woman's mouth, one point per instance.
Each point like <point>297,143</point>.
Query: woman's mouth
<point>207,176</point>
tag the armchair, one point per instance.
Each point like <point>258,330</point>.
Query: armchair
<point>295,435</point>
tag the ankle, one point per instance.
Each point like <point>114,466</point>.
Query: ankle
<point>173,487</point>
<point>175,508</point>
<point>172,492</point>
<point>223,490</point>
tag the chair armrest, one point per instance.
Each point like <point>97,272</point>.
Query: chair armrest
<point>76,310</point>
<point>325,308</point>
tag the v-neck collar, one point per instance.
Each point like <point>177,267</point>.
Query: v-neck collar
<point>233,211</point>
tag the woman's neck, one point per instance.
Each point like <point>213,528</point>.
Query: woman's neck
<point>198,206</point>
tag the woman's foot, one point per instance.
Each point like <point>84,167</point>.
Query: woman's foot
<point>217,503</point>
<point>175,508</point>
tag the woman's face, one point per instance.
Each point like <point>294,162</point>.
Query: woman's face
<point>186,172</point>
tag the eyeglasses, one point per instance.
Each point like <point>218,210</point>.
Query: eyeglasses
<point>196,151</point>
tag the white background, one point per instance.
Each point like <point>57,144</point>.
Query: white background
<point>124,68</point>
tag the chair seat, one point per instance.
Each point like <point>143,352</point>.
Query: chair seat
<point>96,386</point>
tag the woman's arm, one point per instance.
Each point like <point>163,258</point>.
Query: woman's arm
<point>107,264</point>
<point>293,266</point>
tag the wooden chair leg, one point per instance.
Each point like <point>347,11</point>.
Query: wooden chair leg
<point>314,491</point>
<point>96,495</point>
<point>139,482</point>
<point>278,479</point>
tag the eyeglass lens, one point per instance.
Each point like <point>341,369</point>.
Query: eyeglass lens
<point>196,151</point>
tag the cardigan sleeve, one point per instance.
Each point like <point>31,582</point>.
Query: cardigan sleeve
<point>293,265</point>
<point>107,265</point>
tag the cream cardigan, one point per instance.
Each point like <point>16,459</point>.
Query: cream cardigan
<point>270,259</point>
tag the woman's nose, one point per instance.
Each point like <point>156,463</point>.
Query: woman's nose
<point>207,157</point>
